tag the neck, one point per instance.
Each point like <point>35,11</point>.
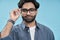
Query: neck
<point>30,24</point>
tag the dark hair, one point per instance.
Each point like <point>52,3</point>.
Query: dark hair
<point>21,2</point>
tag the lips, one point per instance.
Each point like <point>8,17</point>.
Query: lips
<point>28,17</point>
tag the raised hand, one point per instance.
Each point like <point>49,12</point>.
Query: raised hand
<point>14,14</point>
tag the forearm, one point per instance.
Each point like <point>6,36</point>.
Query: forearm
<point>6,30</point>
<point>14,15</point>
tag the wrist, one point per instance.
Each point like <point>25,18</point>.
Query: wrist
<point>12,21</point>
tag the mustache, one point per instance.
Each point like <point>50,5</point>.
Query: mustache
<point>28,16</point>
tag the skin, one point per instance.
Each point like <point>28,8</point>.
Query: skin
<point>14,15</point>
<point>28,6</point>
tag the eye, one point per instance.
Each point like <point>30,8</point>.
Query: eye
<point>23,10</point>
<point>32,9</point>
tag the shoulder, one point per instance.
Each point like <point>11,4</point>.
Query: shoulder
<point>46,30</point>
<point>43,27</point>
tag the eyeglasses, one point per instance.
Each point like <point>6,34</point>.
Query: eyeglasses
<point>31,10</point>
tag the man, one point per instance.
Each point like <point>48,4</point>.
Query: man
<point>29,29</point>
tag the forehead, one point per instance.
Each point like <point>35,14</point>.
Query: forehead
<point>28,5</point>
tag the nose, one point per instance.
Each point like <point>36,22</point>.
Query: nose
<point>28,13</point>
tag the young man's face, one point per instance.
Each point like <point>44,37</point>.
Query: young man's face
<point>28,12</point>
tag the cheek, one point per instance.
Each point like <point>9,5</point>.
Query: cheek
<point>34,14</point>
<point>23,14</point>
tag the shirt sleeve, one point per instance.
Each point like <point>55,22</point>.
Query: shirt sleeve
<point>52,36</point>
<point>9,37</point>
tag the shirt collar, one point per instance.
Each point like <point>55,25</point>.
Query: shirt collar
<point>24,26</point>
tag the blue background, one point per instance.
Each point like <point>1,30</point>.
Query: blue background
<point>48,14</point>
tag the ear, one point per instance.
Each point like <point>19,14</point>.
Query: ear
<point>36,11</point>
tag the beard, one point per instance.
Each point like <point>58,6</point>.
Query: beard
<point>28,18</point>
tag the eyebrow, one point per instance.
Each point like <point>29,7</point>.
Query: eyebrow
<point>29,8</point>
